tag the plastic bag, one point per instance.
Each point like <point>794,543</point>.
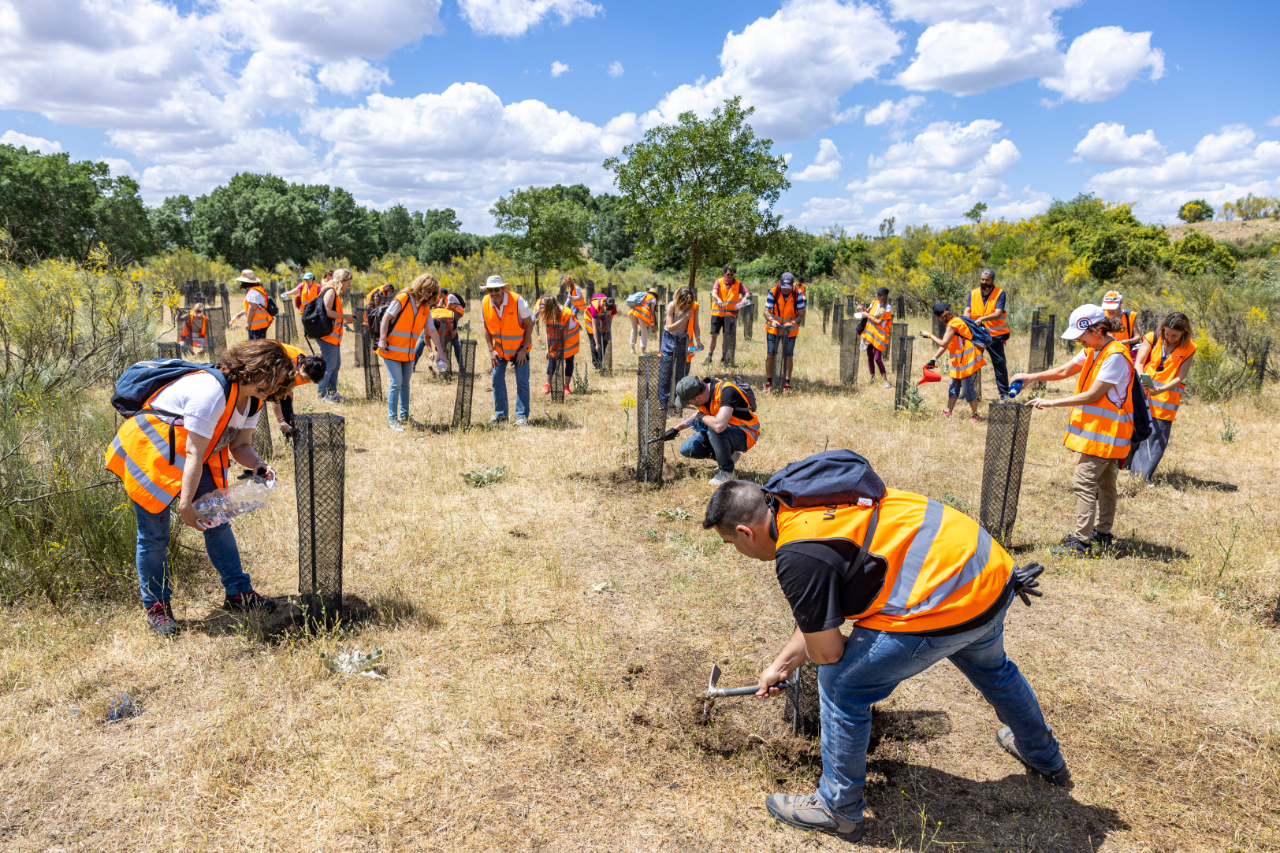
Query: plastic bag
<point>222,505</point>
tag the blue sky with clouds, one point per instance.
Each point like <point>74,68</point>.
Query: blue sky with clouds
<point>909,108</point>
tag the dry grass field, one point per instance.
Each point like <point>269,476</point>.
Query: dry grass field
<point>546,638</point>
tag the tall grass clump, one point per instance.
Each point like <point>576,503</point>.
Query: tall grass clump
<point>68,331</point>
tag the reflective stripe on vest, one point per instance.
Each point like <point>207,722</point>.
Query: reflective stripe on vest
<point>258,316</point>
<point>334,337</point>
<point>402,337</point>
<point>1162,369</point>
<point>139,456</point>
<point>965,358</point>
<point>598,304</point>
<point>578,298</point>
<point>750,427</point>
<point>943,569</point>
<point>691,329</point>
<point>730,295</point>
<point>506,330</point>
<point>571,335</point>
<point>1101,428</point>
<point>877,331</point>
<point>978,310</point>
<point>784,308</point>
<point>644,311</point>
<point>309,292</point>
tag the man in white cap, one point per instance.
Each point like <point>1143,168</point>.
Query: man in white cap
<point>508,330</point>
<point>1127,333</point>
<point>1100,425</point>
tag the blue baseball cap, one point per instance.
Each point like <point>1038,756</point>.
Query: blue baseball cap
<point>308,275</point>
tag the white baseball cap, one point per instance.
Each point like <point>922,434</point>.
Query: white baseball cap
<point>1081,319</point>
<point>1112,300</point>
<point>493,281</point>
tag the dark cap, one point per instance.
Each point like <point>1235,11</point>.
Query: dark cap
<point>940,307</point>
<point>884,291</point>
<point>688,388</point>
<point>788,278</point>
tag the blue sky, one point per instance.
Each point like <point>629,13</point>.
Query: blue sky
<point>907,108</point>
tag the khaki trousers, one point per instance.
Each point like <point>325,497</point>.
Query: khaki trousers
<point>1095,488</point>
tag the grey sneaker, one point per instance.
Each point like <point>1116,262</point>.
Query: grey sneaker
<point>335,397</point>
<point>160,619</point>
<point>522,421</point>
<point>886,384</point>
<point>498,419</point>
<point>808,813</point>
<point>722,476</point>
<point>1071,547</point>
<point>395,426</point>
<point>1060,777</point>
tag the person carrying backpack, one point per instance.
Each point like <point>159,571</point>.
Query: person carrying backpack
<point>644,316</point>
<point>183,424</point>
<point>920,581</point>
<point>255,306</point>
<point>784,309</point>
<point>875,336</point>
<point>725,420</point>
<point>1100,426</point>
<point>962,342</point>
<point>987,305</point>
<point>330,300</point>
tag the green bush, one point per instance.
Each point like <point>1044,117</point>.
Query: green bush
<point>1196,210</point>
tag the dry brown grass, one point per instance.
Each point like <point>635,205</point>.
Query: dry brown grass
<point>525,710</point>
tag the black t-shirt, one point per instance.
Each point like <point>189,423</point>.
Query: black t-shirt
<point>811,575</point>
<point>731,397</point>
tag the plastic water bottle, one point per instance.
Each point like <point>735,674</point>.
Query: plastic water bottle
<point>222,505</point>
<point>1014,388</point>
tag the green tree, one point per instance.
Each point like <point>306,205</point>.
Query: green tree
<point>120,221</point>
<point>1197,253</point>
<point>345,229</point>
<point>441,247</point>
<point>1196,210</point>
<point>171,223</point>
<point>611,241</point>
<point>257,220</point>
<point>709,186</point>
<point>1108,236</point>
<point>445,219</point>
<point>541,229</point>
<point>396,225</point>
<point>974,214</point>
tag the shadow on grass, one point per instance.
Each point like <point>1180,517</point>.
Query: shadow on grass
<point>1185,482</point>
<point>290,618</point>
<point>1144,550</point>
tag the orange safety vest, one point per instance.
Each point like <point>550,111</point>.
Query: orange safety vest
<point>1126,320</point>
<point>730,295</point>
<point>402,337</point>
<point>598,304</point>
<point>335,337</point>
<point>293,353</point>
<point>750,427</point>
<point>139,456</point>
<point>978,310</point>
<point>202,338</point>
<point>784,308</point>
<point>571,335</point>
<point>309,292</point>
<point>941,569</point>
<point>877,332</point>
<point>966,358</point>
<point>644,311</point>
<point>691,331</point>
<point>447,307</point>
<point>1164,368</point>
<point>258,316</point>
<point>578,298</point>
<point>506,330</point>
<point>1101,429</point>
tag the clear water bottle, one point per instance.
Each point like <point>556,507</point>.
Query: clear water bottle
<point>222,505</point>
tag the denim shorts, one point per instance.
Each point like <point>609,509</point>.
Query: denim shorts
<point>788,348</point>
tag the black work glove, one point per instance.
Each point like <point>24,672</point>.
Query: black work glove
<point>1025,583</point>
<point>931,363</point>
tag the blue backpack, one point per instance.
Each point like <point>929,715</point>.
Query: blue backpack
<point>141,381</point>
<point>830,478</point>
<point>981,337</point>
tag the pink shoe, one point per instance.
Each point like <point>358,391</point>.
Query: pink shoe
<point>945,413</point>
<point>975,420</point>
<point>546,389</point>
<point>567,392</point>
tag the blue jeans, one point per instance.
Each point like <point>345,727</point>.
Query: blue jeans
<point>332,354</point>
<point>399,373</point>
<point>422,345</point>
<point>153,552</point>
<point>875,662</point>
<point>258,334</point>
<point>500,389</point>
<point>963,388</point>
<point>674,365</point>
<point>706,443</point>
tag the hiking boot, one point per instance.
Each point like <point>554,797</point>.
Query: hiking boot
<point>395,426</point>
<point>1060,777</point>
<point>160,619</point>
<point>1070,547</point>
<point>247,602</point>
<point>1103,541</point>
<point>722,476</point>
<point>808,813</point>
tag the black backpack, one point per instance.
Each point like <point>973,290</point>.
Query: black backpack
<point>272,308</point>
<point>373,319</point>
<point>316,322</point>
<point>747,391</point>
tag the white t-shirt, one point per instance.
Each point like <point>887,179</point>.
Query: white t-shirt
<point>522,307</point>
<point>255,297</point>
<point>198,399</point>
<point>1115,370</point>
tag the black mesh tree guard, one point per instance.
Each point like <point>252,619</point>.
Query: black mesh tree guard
<point>903,378</point>
<point>606,357</point>
<point>826,318</point>
<point>466,386</point>
<point>730,337</point>
<point>802,707</point>
<point>896,331</point>
<point>357,307</point>
<point>850,304</point>
<point>319,473</point>
<point>1260,363</point>
<point>900,311</point>
<point>286,325</point>
<point>679,369</point>
<point>217,332</point>
<point>850,355</point>
<point>748,316</point>
<point>226,297</point>
<point>837,317</point>
<point>555,353</point>
<point>1008,425</point>
<point>165,349</point>
<point>372,367</point>
<point>651,421</point>
<point>779,377</point>
<point>1040,358</point>
<point>977,385</point>
<point>261,442</point>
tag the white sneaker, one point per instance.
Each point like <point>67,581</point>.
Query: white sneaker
<point>886,384</point>
<point>721,478</point>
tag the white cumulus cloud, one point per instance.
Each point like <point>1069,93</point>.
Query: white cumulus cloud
<point>1107,144</point>
<point>351,76</point>
<point>615,69</point>
<point>558,68</point>
<point>792,67</point>
<point>1102,62</point>
<point>509,18</point>
<point>893,112</point>
<point>31,143</point>
<point>825,167</point>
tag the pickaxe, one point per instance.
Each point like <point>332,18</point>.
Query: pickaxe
<point>666,436</point>
<point>713,691</point>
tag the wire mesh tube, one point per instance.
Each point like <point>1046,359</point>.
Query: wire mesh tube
<point>902,374</point>
<point>651,421</point>
<point>217,332</point>
<point>1041,355</point>
<point>555,352</point>
<point>679,369</point>
<point>837,318</point>
<point>466,386</point>
<point>1008,425</point>
<point>850,355</point>
<point>165,349</point>
<point>261,442</point>
<point>779,377</point>
<point>896,331</point>
<point>372,369</point>
<point>730,336</point>
<point>900,311</point>
<point>748,316</point>
<point>319,473</point>
<point>358,309</point>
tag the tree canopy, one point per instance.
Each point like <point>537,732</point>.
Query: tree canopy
<point>543,227</point>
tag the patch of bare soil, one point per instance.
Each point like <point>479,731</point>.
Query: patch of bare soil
<point>1238,231</point>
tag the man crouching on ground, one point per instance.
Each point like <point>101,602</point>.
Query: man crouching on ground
<point>932,585</point>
